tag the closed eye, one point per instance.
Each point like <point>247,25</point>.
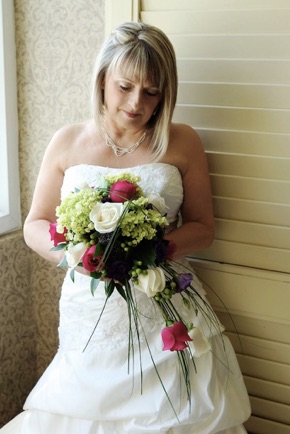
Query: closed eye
<point>124,88</point>
<point>151,93</point>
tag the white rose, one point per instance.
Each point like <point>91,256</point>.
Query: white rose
<point>152,282</point>
<point>158,202</point>
<point>199,344</point>
<point>75,253</point>
<point>105,216</point>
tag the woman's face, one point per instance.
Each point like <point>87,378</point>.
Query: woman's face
<point>128,101</point>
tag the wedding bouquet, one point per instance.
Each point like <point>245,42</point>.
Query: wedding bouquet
<point>115,232</point>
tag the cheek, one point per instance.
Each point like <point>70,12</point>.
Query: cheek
<point>113,100</point>
<point>110,101</point>
<point>154,104</point>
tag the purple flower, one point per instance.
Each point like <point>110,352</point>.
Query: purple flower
<point>183,281</point>
<point>161,251</point>
<point>164,250</point>
<point>118,270</point>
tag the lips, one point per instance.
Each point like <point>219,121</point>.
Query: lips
<point>130,114</point>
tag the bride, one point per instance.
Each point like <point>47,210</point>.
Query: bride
<point>91,391</point>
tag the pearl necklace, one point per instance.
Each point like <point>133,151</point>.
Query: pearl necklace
<point>118,150</point>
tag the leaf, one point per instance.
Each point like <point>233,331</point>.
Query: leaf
<point>186,303</point>
<point>109,288</point>
<point>63,263</point>
<point>96,275</point>
<point>103,183</point>
<point>98,250</point>
<point>94,284</point>
<point>121,291</point>
<point>59,246</point>
<point>72,275</point>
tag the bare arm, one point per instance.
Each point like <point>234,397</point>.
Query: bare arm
<point>197,230</point>
<point>45,199</point>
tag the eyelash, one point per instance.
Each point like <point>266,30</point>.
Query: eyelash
<point>151,93</point>
<point>127,89</point>
<point>124,88</point>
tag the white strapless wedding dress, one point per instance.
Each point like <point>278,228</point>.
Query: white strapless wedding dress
<point>91,391</point>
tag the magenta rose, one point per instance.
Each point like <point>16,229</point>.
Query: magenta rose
<point>175,337</point>
<point>183,281</point>
<point>121,191</point>
<point>55,236</point>
<point>90,260</point>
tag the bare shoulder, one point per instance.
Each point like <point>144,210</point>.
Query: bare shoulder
<point>69,135</point>
<point>185,147</point>
<point>67,143</point>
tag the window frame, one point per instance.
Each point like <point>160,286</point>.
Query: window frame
<point>10,213</point>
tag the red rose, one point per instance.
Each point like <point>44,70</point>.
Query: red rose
<point>55,236</point>
<point>89,260</point>
<point>175,337</point>
<point>121,191</point>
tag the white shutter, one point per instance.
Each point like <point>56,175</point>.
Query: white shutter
<point>254,305</point>
<point>234,73</point>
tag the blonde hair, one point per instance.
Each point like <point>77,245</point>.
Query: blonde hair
<point>145,51</point>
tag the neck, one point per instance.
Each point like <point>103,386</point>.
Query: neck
<point>119,151</point>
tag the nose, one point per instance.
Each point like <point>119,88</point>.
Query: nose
<point>135,100</point>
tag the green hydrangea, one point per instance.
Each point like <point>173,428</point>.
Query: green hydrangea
<point>134,179</point>
<point>140,223</point>
<point>73,214</point>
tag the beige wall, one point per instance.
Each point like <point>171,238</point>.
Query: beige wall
<point>56,46</point>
